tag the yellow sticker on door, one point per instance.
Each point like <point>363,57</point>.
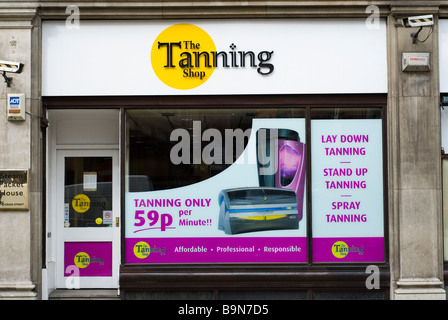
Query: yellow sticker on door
<point>81,203</point>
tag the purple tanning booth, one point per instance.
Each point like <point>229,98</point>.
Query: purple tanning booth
<point>281,161</point>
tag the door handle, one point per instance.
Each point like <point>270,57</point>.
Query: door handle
<point>117,221</point>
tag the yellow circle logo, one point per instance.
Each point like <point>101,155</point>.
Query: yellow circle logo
<point>82,260</point>
<point>339,249</point>
<point>142,250</point>
<point>183,56</point>
<point>81,203</point>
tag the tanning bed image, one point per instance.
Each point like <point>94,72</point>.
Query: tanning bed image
<point>281,161</point>
<point>257,209</point>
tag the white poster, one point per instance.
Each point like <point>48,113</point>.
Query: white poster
<point>347,190</point>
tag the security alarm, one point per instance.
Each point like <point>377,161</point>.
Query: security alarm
<point>15,106</point>
<point>415,61</point>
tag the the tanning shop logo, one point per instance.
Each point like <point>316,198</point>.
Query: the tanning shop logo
<point>142,250</point>
<point>81,203</point>
<point>83,260</point>
<point>184,57</point>
<point>340,249</point>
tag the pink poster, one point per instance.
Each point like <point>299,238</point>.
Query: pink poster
<point>93,259</point>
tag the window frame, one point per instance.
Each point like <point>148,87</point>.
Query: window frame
<point>309,276</point>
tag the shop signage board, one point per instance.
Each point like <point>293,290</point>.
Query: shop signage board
<point>14,190</point>
<point>213,57</point>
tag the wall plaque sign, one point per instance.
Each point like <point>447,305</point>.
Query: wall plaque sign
<point>14,189</point>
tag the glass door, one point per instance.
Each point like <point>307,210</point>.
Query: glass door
<point>88,219</point>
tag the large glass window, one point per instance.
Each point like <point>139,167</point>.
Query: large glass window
<point>229,185</point>
<point>178,147</point>
<point>217,186</point>
<point>347,185</point>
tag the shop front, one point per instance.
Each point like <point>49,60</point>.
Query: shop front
<point>217,159</point>
<point>222,150</point>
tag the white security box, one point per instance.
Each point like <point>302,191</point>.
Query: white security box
<point>415,61</point>
<point>15,106</point>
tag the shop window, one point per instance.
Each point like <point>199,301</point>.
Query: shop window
<point>168,149</point>
<point>347,185</point>
<point>230,185</point>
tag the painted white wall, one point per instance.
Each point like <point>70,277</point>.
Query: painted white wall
<point>310,56</point>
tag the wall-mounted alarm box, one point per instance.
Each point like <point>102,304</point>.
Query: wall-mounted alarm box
<point>415,61</point>
<point>15,106</point>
